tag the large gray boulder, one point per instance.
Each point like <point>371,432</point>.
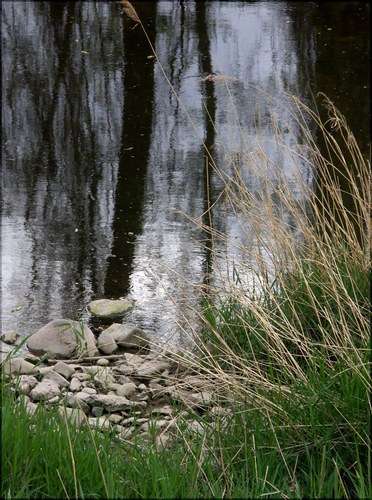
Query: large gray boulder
<point>63,339</point>
<point>107,309</point>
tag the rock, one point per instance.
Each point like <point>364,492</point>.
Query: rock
<point>126,390</point>
<point>100,422</point>
<point>110,402</point>
<point>195,427</point>
<point>115,419</point>
<point>156,424</point>
<point>106,343</point>
<point>63,339</point>
<point>152,367</point>
<point>45,390</point>
<point>163,410</point>
<point>195,381</point>
<point>19,365</point>
<point>156,389</point>
<point>134,359</point>
<point>29,406</point>
<point>64,369</point>
<point>110,309</point>
<point>89,390</point>
<point>128,335</point>
<point>83,396</point>
<point>73,402</point>
<point>53,401</point>
<point>82,377</point>
<point>10,337</point>
<point>45,369</point>
<point>97,411</point>
<point>31,358</point>
<point>75,385</point>
<point>104,377</point>
<point>102,362</point>
<point>124,433</point>
<point>57,378</point>
<point>125,369</point>
<point>191,400</point>
<point>163,440</point>
<point>123,379</point>
<point>25,383</point>
<point>74,415</point>
<point>133,420</point>
<point>139,397</point>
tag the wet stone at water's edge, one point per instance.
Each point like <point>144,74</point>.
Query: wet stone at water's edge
<point>106,309</point>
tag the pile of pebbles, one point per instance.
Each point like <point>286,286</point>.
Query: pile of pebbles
<point>131,393</point>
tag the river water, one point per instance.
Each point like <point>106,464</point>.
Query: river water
<point>100,161</point>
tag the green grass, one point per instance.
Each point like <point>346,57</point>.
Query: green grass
<point>250,456</point>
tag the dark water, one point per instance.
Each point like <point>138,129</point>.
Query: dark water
<point>100,161</point>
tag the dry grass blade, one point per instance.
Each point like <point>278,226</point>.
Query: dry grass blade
<point>129,10</point>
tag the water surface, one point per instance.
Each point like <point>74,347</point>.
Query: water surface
<point>100,160</point>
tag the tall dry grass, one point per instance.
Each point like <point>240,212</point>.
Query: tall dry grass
<point>285,326</point>
<point>297,299</point>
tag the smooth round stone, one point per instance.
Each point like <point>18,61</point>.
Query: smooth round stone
<point>103,362</point>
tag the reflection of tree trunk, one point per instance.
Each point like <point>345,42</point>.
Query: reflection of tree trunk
<point>135,144</point>
<point>205,64</point>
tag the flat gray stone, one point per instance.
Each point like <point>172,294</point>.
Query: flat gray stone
<point>57,378</point>
<point>63,339</point>
<point>109,402</point>
<point>89,390</point>
<point>109,309</point>
<point>64,369</point>
<point>19,365</point>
